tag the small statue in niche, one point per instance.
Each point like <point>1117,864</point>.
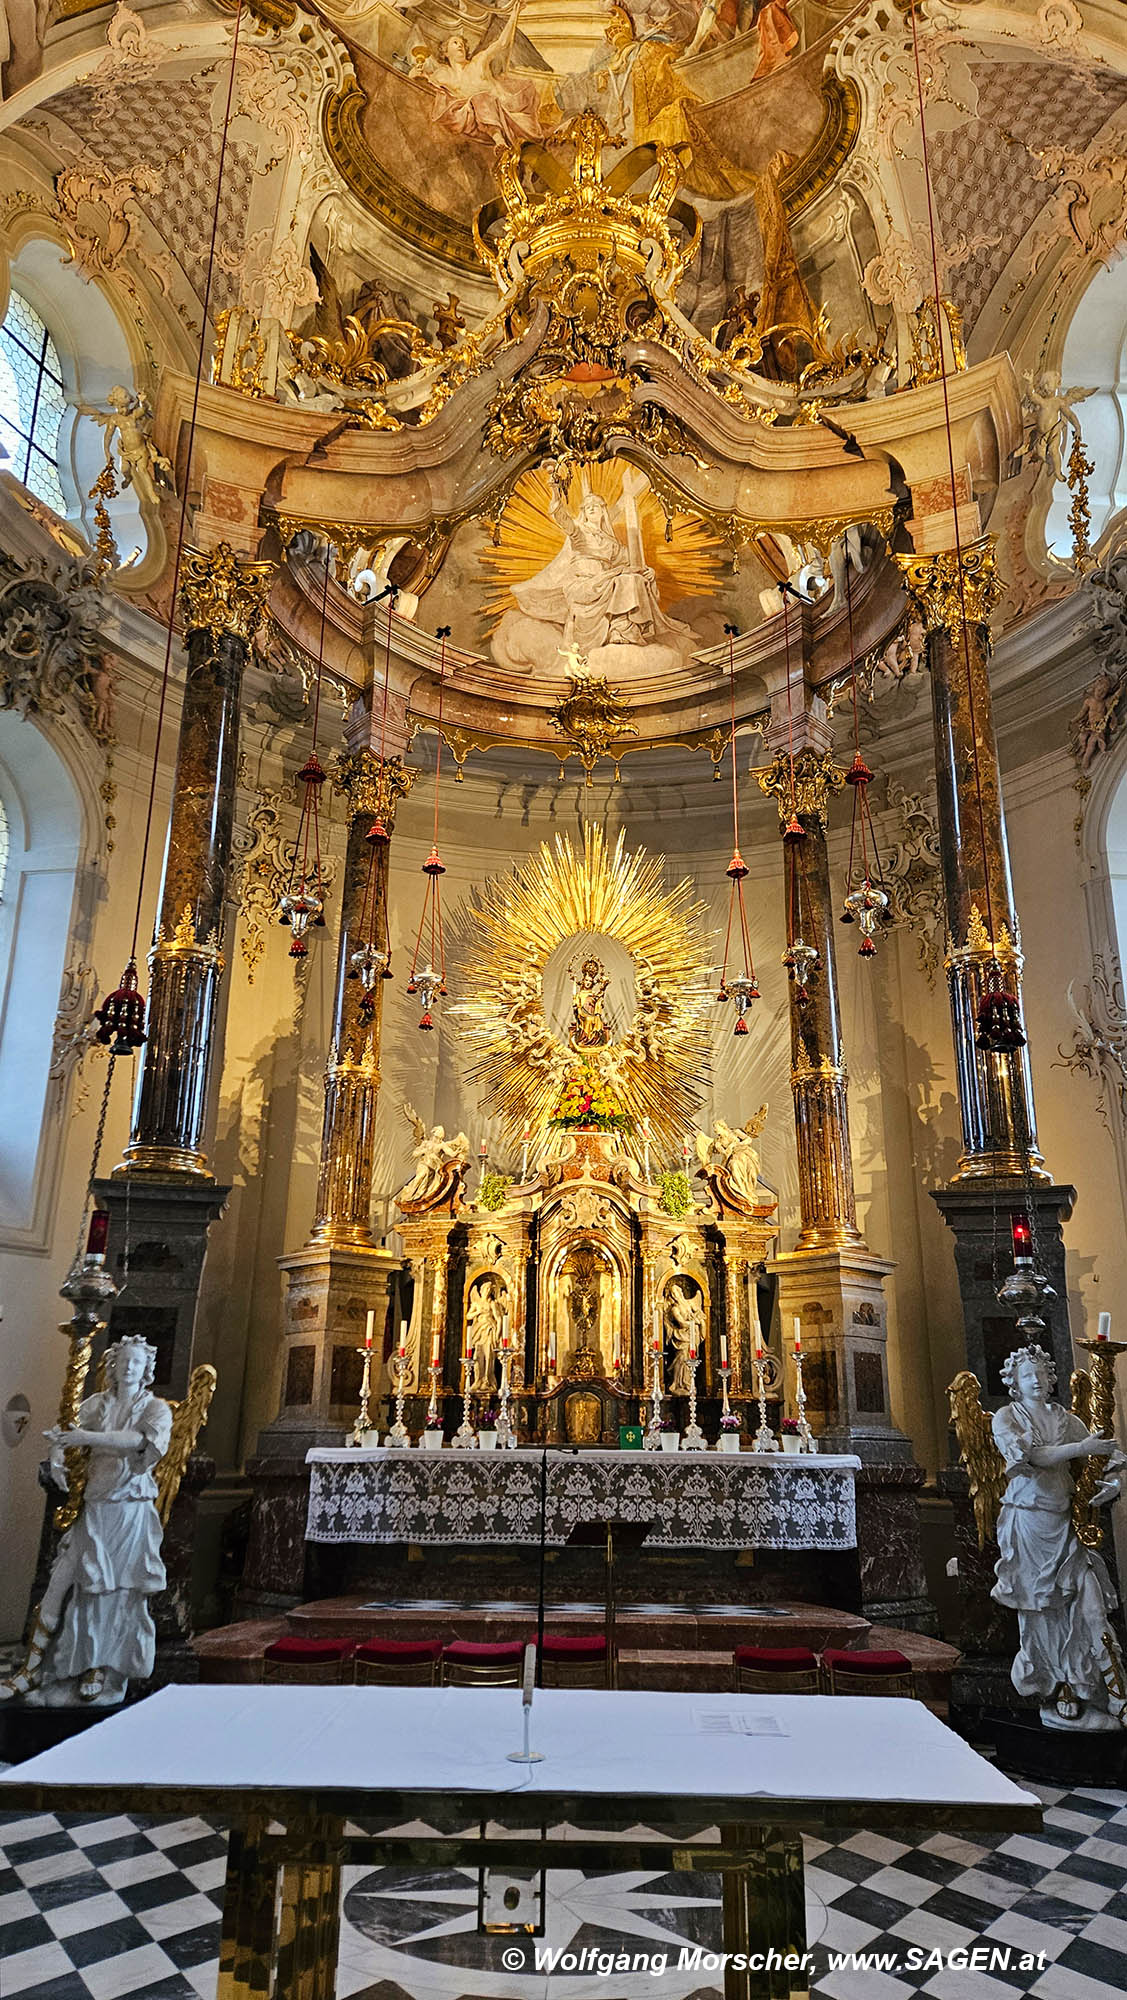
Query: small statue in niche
<point>589,1027</point>
<point>441,1166</point>
<point>683,1318</point>
<point>485,1324</point>
<point>93,1631</point>
<point>1091,729</point>
<point>1020,1464</point>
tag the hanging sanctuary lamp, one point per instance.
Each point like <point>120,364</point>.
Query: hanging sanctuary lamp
<point>740,986</point>
<point>429,980</point>
<point>800,958</point>
<point>866,902</point>
<point>303,899</point>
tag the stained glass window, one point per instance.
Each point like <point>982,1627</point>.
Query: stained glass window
<point>32,402</point>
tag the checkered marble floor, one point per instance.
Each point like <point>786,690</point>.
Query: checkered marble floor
<point>101,1909</point>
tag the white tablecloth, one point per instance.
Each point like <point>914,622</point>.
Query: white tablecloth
<point>665,1750</point>
<point>694,1499</point>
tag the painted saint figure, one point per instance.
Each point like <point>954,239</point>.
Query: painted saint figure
<point>478,96</point>
<point>1068,1658</point>
<point>589,1028</point>
<point>93,1632</point>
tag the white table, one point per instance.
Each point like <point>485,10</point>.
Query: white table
<point>313,1761</point>
<point>749,1500</point>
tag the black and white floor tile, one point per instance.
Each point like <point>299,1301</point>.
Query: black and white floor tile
<point>120,1909</point>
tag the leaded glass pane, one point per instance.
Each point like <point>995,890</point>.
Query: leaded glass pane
<point>32,403</point>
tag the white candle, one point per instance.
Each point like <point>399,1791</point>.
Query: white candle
<point>797,1334</point>
<point>435,1347</point>
<point>1103,1330</point>
<point>370,1327</point>
<point>723,1350</point>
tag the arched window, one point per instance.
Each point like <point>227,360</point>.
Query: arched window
<point>43,814</point>
<point>1094,360</point>
<point>32,402</point>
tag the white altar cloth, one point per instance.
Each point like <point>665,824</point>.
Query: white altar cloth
<point>849,1760</point>
<point>758,1500</point>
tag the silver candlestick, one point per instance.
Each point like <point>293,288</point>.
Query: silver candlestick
<point>725,1378</point>
<point>465,1437</point>
<point>362,1428</point>
<point>506,1435</point>
<point>432,1406</point>
<point>692,1437</point>
<point>399,1436</point>
<point>806,1439</point>
<point>652,1439</point>
<point>764,1439</point>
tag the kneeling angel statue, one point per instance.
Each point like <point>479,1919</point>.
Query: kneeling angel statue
<point>1021,1465</point>
<point>93,1632</point>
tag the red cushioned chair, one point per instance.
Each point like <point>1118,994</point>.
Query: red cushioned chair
<point>576,1660</point>
<point>469,1663</point>
<point>309,1662</point>
<point>868,1673</point>
<point>776,1670</point>
<point>398,1662</point>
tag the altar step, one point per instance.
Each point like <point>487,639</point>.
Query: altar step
<point>663,1647</point>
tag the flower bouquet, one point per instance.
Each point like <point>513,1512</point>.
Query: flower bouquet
<point>790,1434</point>
<point>586,1100</point>
<point>729,1438</point>
<point>487,1428</point>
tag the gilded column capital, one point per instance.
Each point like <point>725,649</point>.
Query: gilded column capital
<point>933,584</point>
<point>817,777</point>
<point>373,784</point>
<point>220,592</point>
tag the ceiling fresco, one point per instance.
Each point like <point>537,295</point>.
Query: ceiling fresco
<point>445,84</point>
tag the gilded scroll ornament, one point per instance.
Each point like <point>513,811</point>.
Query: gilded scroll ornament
<point>816,779</point>
<point>221,592</point>
<point>374,784</point>
<point>933,582</point>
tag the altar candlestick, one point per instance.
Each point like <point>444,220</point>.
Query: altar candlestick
<point>1103,1330</point>
<point>723,1350</point>
<point>370,1327</point>
<point>435,1350</point>
<point>797,1334</point>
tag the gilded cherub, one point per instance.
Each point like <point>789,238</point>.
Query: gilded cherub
<point>129,419</point>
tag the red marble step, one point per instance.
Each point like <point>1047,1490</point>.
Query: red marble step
<point>812,1625</point>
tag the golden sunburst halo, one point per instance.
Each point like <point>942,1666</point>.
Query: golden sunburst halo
<point>688,562</point>
<point>658,1067</point>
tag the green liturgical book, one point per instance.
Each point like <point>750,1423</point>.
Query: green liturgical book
<point>629,1437</point>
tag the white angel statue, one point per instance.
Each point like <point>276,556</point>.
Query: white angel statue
<point>441,1165</point>
<point>92,1632</point>
<point>1021,1464</point>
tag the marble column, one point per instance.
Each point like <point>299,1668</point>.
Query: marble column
<point>819,1080</point>
<point>340,1274</point>
<point>163,1198</point>
<point>222,601</point>
<point>352,1079</point>
<point>999,1126</point>
<point>830,1282</point>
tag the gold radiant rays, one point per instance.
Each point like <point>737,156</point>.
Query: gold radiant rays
<point>659,1069</point>
<point>689,564</point>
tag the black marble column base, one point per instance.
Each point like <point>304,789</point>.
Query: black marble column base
<point>978,1216</point>
<point>890,1548</point>
<point>1067,1757</point>
<point>167,1224</point>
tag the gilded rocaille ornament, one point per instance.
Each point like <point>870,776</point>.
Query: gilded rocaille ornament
<point>653,1066</point>
<point>222,592</point>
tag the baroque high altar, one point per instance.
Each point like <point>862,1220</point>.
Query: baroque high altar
<point>592,1269</point>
